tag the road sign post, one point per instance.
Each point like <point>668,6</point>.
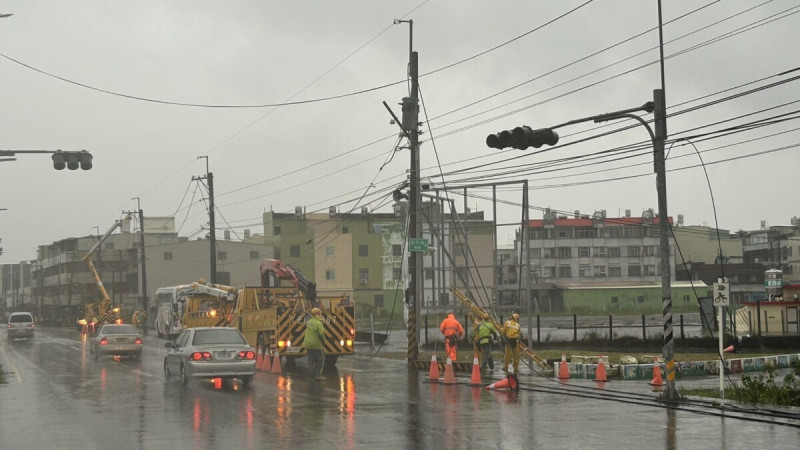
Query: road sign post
<point>721,299</point>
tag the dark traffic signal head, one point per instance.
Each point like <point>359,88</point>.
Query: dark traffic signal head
<point>72,160</point>
<point>522,138</point>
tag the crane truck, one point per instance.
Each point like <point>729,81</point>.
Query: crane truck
<point>99,312</point>
<point>272,316</point>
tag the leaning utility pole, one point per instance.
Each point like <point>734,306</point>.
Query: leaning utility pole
<point>212,236</point>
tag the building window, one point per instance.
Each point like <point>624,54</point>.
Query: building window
<point>640,299</point>
<point>614,300</point>
<point>633,231</point>
<point>167,256</point>
<point>584,270</point>
<point>254,255</point>
<point>599,251</point>
<point>363,250</point>
<point>613,232</point>
<point>222,256</point>
<point>397,250</point>
<point>345,229</point>
<point>329,251</point>
<point>613,252</point>
<point>444,298</point>
<point>536,253</point>
<point>634,250</point>
<point>564,252</point>
<point>685,299</point>
<point>564,233</point>
<point>564,272</point>
<point>110,246</point>
<point>378,301</point>
<point>583,252</point>
<point>634,270</point>
<point>276,230</point>
<point>650,270</point>
<point>585,233</point>
<point>363,276</point>
<point>549,272</point>
<point>330,274</point>
<point>397,274</point>
<point>224,278</point>
<point>458,250</point>
<point>549,252</point>
<point>614,271</point>
<point>294,251</point>
<point>428,274</point>
<point>600,271</point>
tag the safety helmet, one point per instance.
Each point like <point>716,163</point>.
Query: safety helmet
<point>315,311</point>
<point>485,316</point>
<point>515,316</point>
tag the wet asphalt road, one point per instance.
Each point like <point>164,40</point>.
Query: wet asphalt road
<point>57,396</point>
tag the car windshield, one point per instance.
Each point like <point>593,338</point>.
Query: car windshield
<point>20,318</point>
<point>218,336</point>
<point>119,329</point>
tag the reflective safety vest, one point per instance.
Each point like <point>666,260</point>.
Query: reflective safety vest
<point>511,329</point>
<point>451,327</point>
<point>483,332</point>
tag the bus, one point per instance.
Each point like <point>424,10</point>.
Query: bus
<point>167,309</point>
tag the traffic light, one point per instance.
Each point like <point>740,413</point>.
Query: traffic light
<point>72,160</point>
<point>522,138</point>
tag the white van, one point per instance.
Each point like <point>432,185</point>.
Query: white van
<point>20,325</point>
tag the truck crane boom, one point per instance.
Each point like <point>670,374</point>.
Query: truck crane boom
<point>90,263</point>
<point>280,271</point>
<point>478,311</point>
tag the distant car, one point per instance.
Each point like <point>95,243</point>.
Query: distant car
<point>117,339</point>
<point>210,352</point>
<point>20,325</point>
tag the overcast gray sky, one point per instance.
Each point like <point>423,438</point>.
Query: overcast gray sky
<point>115,78</point>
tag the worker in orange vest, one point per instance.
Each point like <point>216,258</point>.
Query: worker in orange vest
<point>452,331</point>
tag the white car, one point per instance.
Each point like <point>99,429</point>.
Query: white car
<point>210,352</point>
<point>20,325</point>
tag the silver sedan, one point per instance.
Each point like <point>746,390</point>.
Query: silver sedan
<point>210,352</point>
<point>117,339</point>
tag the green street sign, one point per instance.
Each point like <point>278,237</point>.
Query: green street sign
<point>418,245</point>
<point>773,283</point>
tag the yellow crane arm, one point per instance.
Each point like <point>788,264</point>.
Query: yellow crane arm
<point>479,312</point>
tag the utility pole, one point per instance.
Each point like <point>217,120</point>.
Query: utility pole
<point>212,236</point>
<point>410,125</point>
<point>143,260</point>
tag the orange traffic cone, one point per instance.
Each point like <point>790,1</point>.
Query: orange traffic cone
<point>729,349</point>
<point>276,363</point>
<point>657,374</point>
<point>265,365</point>
<point>449,376</point>
<point>476,372</point>
<point>434,373</point>
<point>563,368</point>
<point>502,384</point>
<point>600,373</point>
<point>259,358</point>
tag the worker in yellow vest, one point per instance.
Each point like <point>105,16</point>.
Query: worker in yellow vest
<point>511,332</point>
